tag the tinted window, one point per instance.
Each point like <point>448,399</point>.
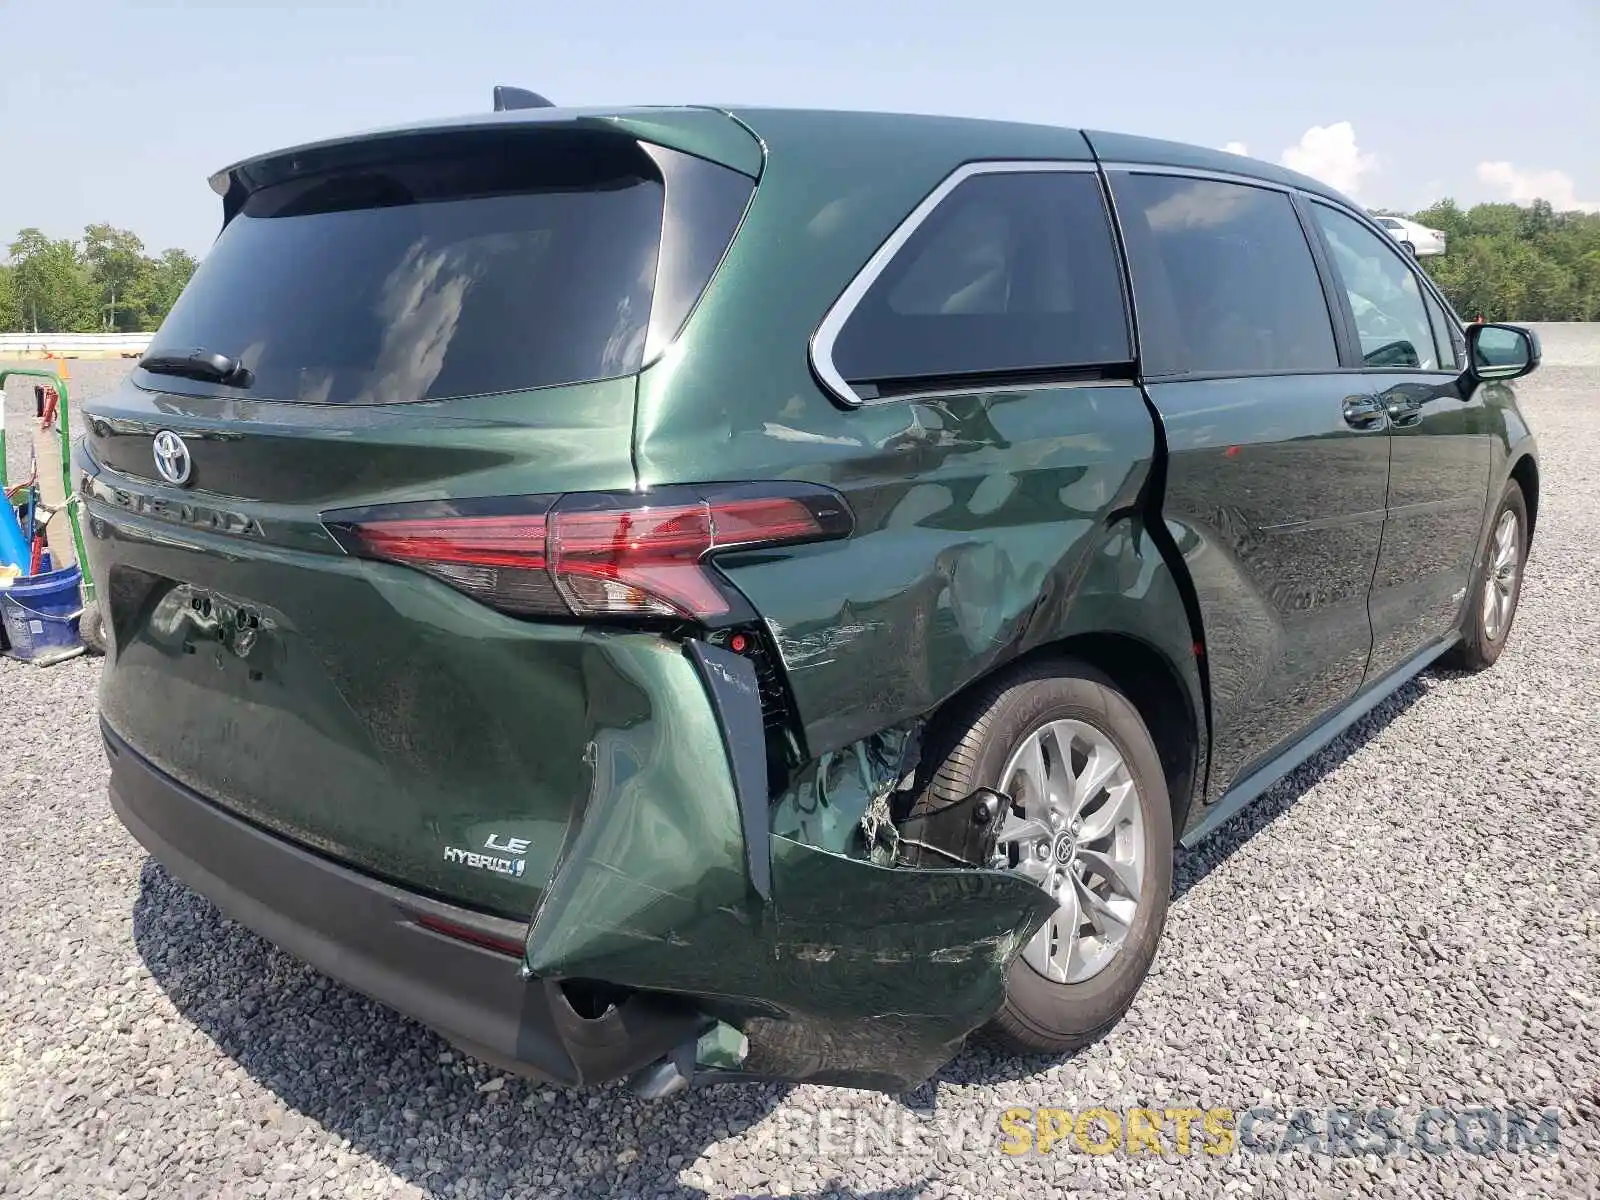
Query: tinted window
<point>704,205</point>
<point>1385,298</point>
<point>1223,278</point>
<point>471,266</point>
<point>1013,272</point>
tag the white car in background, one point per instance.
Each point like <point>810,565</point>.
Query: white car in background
<point>1418,239</point>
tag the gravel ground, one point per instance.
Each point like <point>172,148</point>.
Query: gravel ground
<point>1412,920</point>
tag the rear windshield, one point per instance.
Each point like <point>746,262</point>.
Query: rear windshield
<point>487,266</point>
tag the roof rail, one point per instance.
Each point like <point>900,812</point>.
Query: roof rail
<point>507,97</point>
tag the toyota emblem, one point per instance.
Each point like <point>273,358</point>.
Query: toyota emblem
<point>172,458</point>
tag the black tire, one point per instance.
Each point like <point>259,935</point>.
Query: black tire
<point>969,748</point>
<point>91,629</point>
<point>1477,651</point>
<point>1410,248</point>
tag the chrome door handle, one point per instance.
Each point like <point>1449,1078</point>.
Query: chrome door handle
<point>1404,413</point>
<point>1364,412</point>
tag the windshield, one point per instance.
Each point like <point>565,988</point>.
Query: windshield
<point>485,266</point>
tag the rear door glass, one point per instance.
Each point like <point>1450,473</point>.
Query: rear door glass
<point>475,267</point>
<point>1014,272</point>
<point>1223,278</point>
<point>1385,297</point>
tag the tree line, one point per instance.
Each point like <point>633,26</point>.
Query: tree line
<point>103,282</point>
<point>1507,262</point>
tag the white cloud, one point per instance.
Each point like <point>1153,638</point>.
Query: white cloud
<point>1330,153</point>
<point>1237,148</point>
<point>1524,187</point>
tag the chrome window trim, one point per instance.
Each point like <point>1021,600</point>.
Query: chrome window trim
<point>1201,173</point>
<point>833,321</point>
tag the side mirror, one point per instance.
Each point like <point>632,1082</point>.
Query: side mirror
<point>1501,351</point>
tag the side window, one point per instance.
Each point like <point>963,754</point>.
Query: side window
<point>1013,272</point>
<point>1385,298</point>
<point>1223,278</point>
<point>1448,341</point>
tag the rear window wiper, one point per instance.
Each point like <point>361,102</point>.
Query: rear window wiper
<point>198,363</point>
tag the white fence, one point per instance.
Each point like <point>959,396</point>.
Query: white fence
<point>74,345</point>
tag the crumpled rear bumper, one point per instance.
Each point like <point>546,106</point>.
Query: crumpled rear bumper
<point>371,936</point>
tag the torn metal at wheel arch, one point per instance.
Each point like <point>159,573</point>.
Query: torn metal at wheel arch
<point>781,920</point>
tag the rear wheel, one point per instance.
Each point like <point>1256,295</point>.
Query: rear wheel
<point>1410,248</point>
<point>1089,822</point>
<point>1492,600</point>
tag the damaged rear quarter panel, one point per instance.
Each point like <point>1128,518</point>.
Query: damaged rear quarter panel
<point>978,518</point>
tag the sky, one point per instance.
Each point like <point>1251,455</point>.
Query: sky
<point>123,108</point>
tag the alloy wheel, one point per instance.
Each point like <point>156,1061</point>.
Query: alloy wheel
<point>1076,829</point>
<point>1500,581</point>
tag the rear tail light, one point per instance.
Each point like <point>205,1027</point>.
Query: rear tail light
<point>595,554</point>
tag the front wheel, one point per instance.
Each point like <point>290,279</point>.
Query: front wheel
<point>1090,823</point>
<point>1496,587</point>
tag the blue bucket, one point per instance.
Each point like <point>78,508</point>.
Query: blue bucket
<point>41,612</point>
<point>13,546</point>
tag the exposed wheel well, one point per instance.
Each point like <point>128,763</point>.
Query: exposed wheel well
<point>1526,472</point>
<point>1151,685</point>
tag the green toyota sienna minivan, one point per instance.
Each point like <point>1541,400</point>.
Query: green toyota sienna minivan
<point>691,594</point>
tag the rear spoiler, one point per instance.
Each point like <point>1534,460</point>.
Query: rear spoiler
<point>706,132</point>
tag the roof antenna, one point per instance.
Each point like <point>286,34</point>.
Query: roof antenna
<point>507,97</point>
